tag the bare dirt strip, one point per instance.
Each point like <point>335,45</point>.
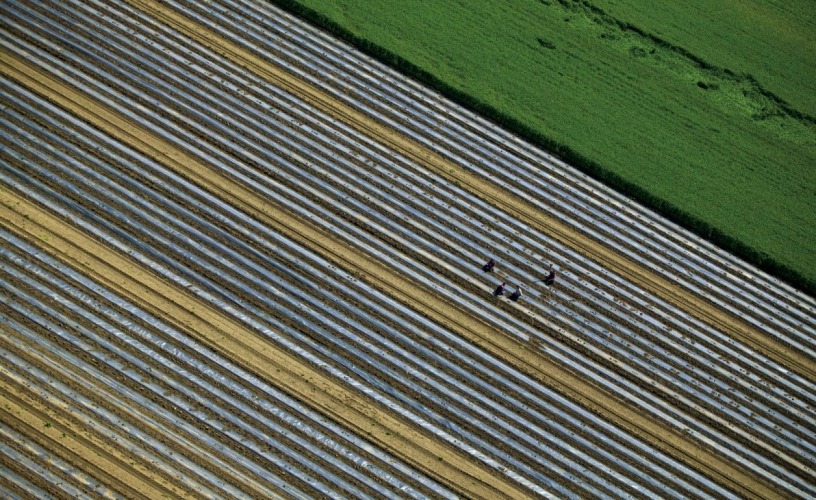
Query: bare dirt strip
<point>482,188</point>
<point>214,328</point>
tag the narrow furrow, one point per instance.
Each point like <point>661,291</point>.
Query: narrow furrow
<point>69,428</point>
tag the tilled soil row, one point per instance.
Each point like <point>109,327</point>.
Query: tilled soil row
<point>407,383</point>
<point>68,432</point>
<point>690,406</point>
<point>569,299</point>
<point>252,352</point>
<point>165,148</point>
<point>127,465</point>
<point>193,264</point>
<point>374,232</point>
<point>187,408</point>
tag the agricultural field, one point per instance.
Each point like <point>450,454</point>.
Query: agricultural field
<point>241,259</point>
<point>708,110</point>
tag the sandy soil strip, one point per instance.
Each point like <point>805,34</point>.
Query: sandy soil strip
<point>223,333</point>
<point>250,350</point>
<point>487,191</point>
<point>56,428</point>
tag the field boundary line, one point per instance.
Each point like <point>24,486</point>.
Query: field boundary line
<point>380,275</point>
<point>488,192</point>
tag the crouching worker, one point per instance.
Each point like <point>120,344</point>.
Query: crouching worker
<point>550,279</point>
<point>516,295</point>
<point>499,290</point>
<point>488,268</point>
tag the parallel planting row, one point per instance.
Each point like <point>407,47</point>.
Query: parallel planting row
<point>600,387</point>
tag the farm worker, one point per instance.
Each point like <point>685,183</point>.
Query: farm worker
<point>550,279</point>
<point>488,268</point>
<point>499,290</point>
<point>517,294</point>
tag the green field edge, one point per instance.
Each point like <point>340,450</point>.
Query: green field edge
<point>611,179</point>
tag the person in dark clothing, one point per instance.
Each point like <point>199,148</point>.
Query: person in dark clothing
<point>488,268</point>
<point>499,290</point>
<point>516,295</point>
<point>550,279</point>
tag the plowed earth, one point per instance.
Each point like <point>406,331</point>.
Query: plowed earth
<point>395,430</point>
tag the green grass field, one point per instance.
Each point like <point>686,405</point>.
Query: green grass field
<point>708,109</point>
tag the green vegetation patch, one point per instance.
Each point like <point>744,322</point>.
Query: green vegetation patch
<point>775,42</point>
<point>665,108</point>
